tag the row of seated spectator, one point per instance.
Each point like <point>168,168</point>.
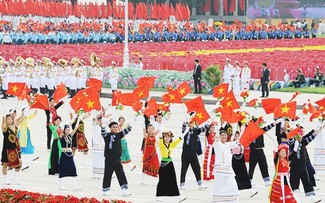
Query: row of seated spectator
<point>65,32</point>
<point>316,81</point>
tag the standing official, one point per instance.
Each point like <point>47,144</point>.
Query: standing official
<point>197,76</point>
<point>265,78</point>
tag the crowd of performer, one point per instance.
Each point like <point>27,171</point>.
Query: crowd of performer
<point>21,30</point>
<point>224,157</point>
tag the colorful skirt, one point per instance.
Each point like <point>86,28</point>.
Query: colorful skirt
<point>29,149</point>
<point>208,164</point>
<point>280,191</point>
<point>125,157</point>
<point>150,161</point>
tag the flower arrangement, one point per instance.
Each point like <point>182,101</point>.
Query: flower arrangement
<point>120,107</point>
<point>10,195</point>
<point>244,94</point>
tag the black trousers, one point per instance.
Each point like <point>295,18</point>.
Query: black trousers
<point>258,156</point>
<point>315,82</point>
<point>110,167</point>
<point>265,89</point>
<point>190,157</point>
<point>297,173</point>
<point>49,136</point>
<point>197,85</point>
<point>297,84</point>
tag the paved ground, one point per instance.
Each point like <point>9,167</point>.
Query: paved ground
<point>36,179</point>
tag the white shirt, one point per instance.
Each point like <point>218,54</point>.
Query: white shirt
<point>223,164</point>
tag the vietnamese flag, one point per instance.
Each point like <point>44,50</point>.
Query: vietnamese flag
<point>184,89</point>
<point>228,115</point>
<point>286,110</point>
<point>194,104</point>
<point>24,94</point>
<point>40,102</point>
<point>75,102</point>
<point>252,103</point>
<point>172,97</point>
<point>142,91</point>
<point>270,104</point>
<point>90,102</point>
<point>60,92</point>
<point>93,82</point>
<point>252,131</point>
<point>127,99</point>
<point>220,90</point>
<point>294,96</point>
<point>147,81</point>
<point>230,101</point>
<point>151,108</point>
<point>137,106</point>
<point>315,114</point>
<point>15,88</point>
<point>311,108</point>
<point>321,103</point>
<point>293,133</point>
<point>163,107</point>
<point>115,95</point>
<point>201,115</point>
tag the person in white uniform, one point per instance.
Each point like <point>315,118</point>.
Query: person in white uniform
<point>113,77</point>
<point>245,76</point>
<point>235,76</point>
<point>227,70</point>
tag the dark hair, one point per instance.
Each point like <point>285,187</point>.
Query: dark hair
<point>264,64</point>
<point>121,117</point>
<point>149,126</point>
<point>65,127</point>
<point>197,60</point>
<point>56,118</point>
<point>112,123</point>
<point>170,134</point>
<point>50,99</point>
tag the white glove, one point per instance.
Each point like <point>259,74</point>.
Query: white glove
<point>279,120</point>
<point>295,148</point>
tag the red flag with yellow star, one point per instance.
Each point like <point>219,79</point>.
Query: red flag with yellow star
<point>15,88</point>
<point>115,95</point>
<point>142,91</point>
<point>93,82</point>
<point>294,133</point>
<point>252,131</point>
<point>60,92</point>
<point>184,89</point>
<point>147,81</point>
<point>194,104</point>
<point>230,101</point>
<point>127,99</point>
<point>220,90</point>
<point>270,104</point>
<point>321,103</point>
<point>172,97</point>
<point>137,106</point>
<point>76,101</point>
<point>286,110</point>
<point>25,94</point>
<point>90,102</point>
<point>228,115</point>
<point>151,108</point>
<point>201,115</point>
<point>40,102</point>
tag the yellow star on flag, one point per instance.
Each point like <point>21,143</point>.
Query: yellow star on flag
<point>229,103</point>
<point>199,115</point>
<point>15,88</point>
<point>285,109</point>
<point>90,104</point>
<point>140,93</point>
<point>171,97</point>
<point>220,90</point>
<point>182,91</point>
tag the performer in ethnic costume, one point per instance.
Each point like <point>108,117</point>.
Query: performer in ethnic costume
<point>24,135</point>
<point>79,140</point>
<point>225,186</point>
<point>240,169</point>
<point>67,167</point>
<point>56,149</point>
<point>280,190</point>
<point>113,152</point>
<point>189,153</point>
<point>167,185</point>
<point>150,158</point>
<point>209,156</point>
<point>98,147</point>
<point>10,156</point>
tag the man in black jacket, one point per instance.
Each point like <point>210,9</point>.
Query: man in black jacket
<point>265,78</point>
<point>298,161</point>
<point>112,153</point>
<point>197,76</point>
<point>189,153</point>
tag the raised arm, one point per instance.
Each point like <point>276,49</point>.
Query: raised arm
<point>58,105</point>
<point>125,131</point>
<point>268,127</point>
<point>76,126</point>
<point>18,121</point>
<point>3,125</point>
